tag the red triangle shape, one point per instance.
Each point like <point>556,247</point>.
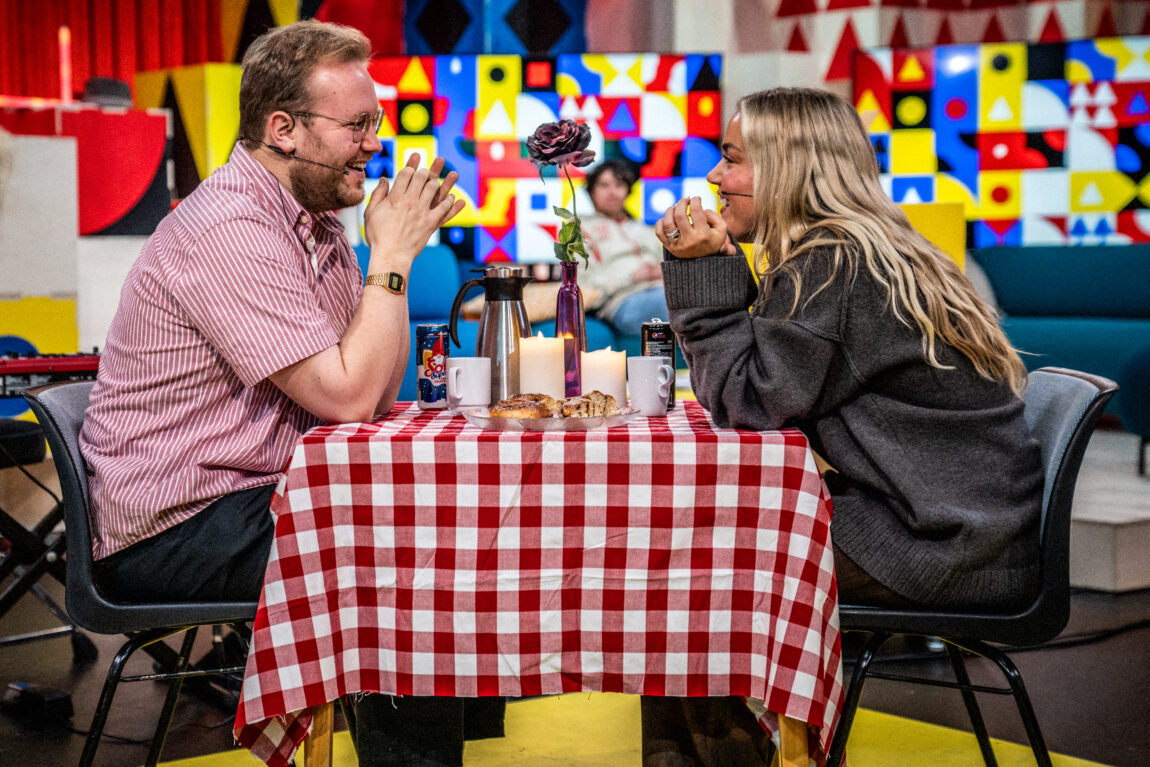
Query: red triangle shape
<point>898,37</point>
<point>1052,30</point>
<point>840,68</point>
<point>499,232</point>
<point>497,255</point>
<point>1000,226</point>
<point>1106,26</point>
<point>945,37</point>
<point>838,5</point>
<point>796,8</point>
<point>797,43</point>
<point>993,33</point>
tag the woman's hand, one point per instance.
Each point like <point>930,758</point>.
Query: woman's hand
<point>700,234</point>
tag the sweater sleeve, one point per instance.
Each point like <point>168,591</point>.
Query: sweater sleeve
<point>759,371</point>
<point>616,252</point>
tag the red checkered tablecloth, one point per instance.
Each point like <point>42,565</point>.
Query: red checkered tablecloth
<point>420,555</point>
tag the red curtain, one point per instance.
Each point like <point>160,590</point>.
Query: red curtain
<point>110,38</point>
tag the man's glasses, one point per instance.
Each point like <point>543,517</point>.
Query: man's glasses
<point>359,126</point>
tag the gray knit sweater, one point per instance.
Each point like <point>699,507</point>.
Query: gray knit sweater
<point>938,484</point>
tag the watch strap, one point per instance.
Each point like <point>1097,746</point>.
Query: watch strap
<point>393,282</point>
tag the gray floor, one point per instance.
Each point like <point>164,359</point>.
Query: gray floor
<point>1090,698</point>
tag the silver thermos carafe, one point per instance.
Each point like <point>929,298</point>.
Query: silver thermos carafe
<point>502,323</point>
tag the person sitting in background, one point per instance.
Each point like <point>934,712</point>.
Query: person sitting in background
<point>244,322</point>
<point>867,338</point>
<point>625,256</point>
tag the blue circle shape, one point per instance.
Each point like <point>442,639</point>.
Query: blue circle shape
<point>14,406</point>
<point>1127,159</point>
<point>1142,133</point>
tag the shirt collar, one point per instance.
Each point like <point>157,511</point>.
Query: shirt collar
<point>274,195</point>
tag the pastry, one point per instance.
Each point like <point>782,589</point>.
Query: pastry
<point>592,403</point>
<point>550,403</point>
<point>525,406</point>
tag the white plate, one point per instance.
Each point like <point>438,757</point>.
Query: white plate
<point>480,418</point>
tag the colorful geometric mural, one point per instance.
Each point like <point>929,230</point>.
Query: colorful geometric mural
<point>661,112</point>
<point>537,27</point>
<point>1046,143</point>
<point>203,101</point>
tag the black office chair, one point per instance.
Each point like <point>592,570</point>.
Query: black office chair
<point>60,410</point>
<point>1062,408</point>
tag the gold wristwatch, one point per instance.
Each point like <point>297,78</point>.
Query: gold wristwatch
<point>392,282</point>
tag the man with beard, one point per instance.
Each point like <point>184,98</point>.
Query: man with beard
<point>244,322</point>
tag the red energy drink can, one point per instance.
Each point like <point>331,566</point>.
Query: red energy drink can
<point>431,349</point>
<point>658,340</point>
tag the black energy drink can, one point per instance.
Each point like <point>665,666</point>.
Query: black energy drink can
<point>658,340</point>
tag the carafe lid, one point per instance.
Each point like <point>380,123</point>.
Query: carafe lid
<point>504,271</point>
<point>504,283</point>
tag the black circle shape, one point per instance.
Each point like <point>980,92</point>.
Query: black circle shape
<point>497,75</point>
<point>1000,62</point>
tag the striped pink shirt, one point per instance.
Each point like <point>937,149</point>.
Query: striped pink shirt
<point>226,292</point>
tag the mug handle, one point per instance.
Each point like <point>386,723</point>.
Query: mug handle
<point>453,384</point>
<point>666,378</point>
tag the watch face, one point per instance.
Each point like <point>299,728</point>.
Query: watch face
<point>395,282</point>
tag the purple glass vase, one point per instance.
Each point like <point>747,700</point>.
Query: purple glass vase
<point>570,326</point>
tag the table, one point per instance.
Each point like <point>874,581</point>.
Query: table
<point>421,555</point>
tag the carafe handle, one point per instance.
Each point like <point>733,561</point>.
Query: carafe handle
<point>458,302</point>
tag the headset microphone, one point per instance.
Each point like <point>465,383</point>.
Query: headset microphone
<point>294,156</point>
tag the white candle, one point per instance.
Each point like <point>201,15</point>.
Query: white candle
<point>541,366</point>
<point>606,371</point>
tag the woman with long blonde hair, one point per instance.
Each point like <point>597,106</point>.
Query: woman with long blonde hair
<point>871,341</point>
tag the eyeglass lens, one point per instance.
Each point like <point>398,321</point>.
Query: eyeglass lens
<point>366,122</point>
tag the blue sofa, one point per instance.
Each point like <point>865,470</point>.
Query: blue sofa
<point>436,277</point>
<point>1079,306</point>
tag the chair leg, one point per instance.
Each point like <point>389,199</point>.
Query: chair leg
<point>100,717</point>
<point>972,710</point>
<point>1021,699</point>
<point>851,702</point>
<point>170,700</point>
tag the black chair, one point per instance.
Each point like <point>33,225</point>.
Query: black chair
<point>60,410</point>
<point>1062,408</point>
<point>33,553</point>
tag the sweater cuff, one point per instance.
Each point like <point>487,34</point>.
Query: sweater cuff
<point>711,281</point>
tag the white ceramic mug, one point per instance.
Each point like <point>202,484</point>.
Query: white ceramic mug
<point>649,380</point>
<point>468,382</point>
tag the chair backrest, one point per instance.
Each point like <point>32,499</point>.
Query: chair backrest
<point>1062,408</point>
<point>60,410</point>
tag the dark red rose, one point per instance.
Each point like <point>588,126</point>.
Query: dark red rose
<point>560,143</point>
